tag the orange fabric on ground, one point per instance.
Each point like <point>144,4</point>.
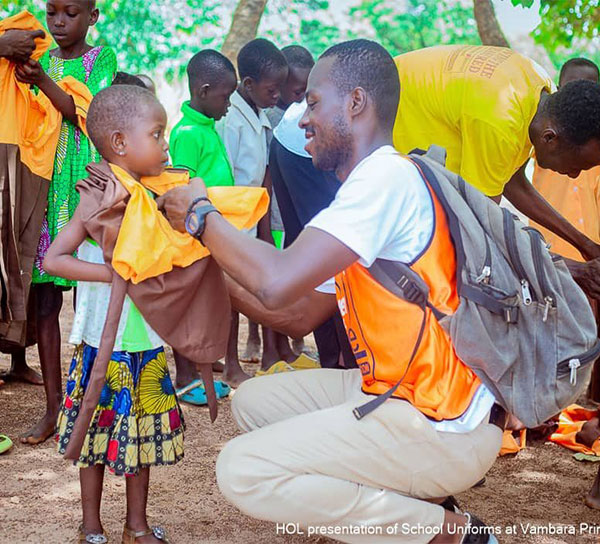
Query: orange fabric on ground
<point>147,245</point>
<point>382,330</point>
<point>28,121</point>
<point>578,200</point>
<point>570,422</point>
<point>509,442</point>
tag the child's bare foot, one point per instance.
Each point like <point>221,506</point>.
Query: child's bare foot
<point>22,374</point>
<point>252,351</point>
<point>41,431</point>
<point>233,374</point>
<point>592,498</point>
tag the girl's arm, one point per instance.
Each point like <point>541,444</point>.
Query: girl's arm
<point>32,73</point>
<point>59,260</point>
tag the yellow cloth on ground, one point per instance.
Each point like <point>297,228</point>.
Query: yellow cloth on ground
<point>475,101</point>
<point>510,444</point>
<point>578,200</point>
<point>30,121</point>
<point>147,245</point>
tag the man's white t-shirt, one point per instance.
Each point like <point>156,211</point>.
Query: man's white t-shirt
<point>384,210</point>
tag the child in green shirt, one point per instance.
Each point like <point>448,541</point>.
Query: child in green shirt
<point>196,146</point>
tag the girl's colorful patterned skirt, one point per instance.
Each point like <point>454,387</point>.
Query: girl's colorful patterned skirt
<point>137,423</point>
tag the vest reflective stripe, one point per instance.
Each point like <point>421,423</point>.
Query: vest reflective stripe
<point>383,329</point>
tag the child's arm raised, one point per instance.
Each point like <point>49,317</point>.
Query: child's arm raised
<point>32,73</point>
<point>59,260</point>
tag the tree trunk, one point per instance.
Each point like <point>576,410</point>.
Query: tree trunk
<point>244,26</point>
<point>487,24</point>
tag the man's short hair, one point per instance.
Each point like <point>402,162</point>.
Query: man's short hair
<point>575,108</point>
<point>298,57</point>
<point>123,78</point>
<point>366,64</point>
<point>259,57</point>
<point>117,107</point>
<point>208,66</point>
<point>578,62</point>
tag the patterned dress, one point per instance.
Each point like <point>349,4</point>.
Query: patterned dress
<point>74,151</point>
<point>137,422</point>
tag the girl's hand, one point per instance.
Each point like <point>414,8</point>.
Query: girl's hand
<point>31,73</point>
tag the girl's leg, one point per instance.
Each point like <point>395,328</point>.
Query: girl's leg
<point>252,351</point>
<point>91,480</point>
<point>233,374</point>
<point>49,302</point>
<point>283,347</point>
<point>137,500</point>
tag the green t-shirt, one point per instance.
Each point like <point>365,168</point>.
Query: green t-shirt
<point>196,146</point>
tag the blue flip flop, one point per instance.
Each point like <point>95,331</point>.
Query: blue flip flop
<point>195,394</point>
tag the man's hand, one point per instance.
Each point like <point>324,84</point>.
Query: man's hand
<point>175,203</point>
<point>587,275</point>
<point>18,45</point>
<point>31,73</point>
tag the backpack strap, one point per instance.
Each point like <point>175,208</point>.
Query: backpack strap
<point>399,279</point>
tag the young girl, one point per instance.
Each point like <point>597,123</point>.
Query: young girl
<point>137,422</point>
<point>68,21</point>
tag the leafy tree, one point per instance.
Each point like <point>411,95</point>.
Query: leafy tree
<point>420,23</point>
<point>566,22</point>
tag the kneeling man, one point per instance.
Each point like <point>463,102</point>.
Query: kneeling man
<point>305,457</point>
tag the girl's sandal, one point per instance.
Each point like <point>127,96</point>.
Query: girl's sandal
<point>129,536</point>
<point>97,539</point>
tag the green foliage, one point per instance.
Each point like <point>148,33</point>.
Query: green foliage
<point>146,35</point>
<point>421,23</point>
<point>567,23</point>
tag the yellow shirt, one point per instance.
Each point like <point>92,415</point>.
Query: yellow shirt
<point>475,101</point>
<point>578,200</point>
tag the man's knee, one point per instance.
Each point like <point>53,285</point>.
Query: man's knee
<point>236,477</point>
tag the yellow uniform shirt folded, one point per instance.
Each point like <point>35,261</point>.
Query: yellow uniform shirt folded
<point>147,245</point>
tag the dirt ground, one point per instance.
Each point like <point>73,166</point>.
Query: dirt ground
<point>541,487</point>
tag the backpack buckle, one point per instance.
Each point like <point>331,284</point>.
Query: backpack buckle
<point>511,314</point>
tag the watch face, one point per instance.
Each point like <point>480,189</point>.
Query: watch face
<point>192,223</point>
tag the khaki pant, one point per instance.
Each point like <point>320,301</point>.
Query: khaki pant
<point>307,460</point>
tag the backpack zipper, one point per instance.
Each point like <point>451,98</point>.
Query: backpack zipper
<point>570,366</point>
<point>536,251</point>
<point>486,271</point>
<point>511,244</point>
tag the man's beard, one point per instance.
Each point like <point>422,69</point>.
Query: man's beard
<point>336,147</point>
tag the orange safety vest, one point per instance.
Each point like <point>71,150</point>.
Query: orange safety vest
<point>383,330</point>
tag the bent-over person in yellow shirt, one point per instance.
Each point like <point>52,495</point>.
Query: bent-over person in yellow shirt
<point>491,107</point>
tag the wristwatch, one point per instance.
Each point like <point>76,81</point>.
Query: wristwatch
<point>195,221</point>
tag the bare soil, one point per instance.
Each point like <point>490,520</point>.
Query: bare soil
<point>542,486</point>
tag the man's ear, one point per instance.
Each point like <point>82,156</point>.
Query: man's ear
<point>95,13</point>
<point>358,101</point>
<point>118,143</point>
<point>549,136</point>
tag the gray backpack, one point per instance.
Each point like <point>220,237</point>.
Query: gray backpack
<point>522,325</point>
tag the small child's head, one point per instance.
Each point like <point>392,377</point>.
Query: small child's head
<point>127,125</point>
<point>576,69</point>
<point>148,82</point>
<point>263,71</point>
<point>300,63</point>
<point>123,78</point>
<point>69,20</point>
<point>212,80</point>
